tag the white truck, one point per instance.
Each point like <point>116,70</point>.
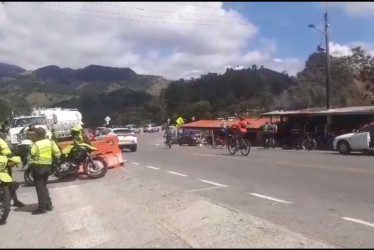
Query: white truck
<point>61,120</point>
<point>358,140</point>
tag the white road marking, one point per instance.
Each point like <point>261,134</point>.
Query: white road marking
<point>270,198</point>
<point>125,160</point>
<point>201,189</point>
<point>152,167</point>
<point>170,172</point>
<point>359,221</point>
<point>213,183</point>
<point>135,163</point>
<point>282,162</point>
<point>157,144</point>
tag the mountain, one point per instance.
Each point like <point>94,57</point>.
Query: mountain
<point>235,91</point>
<point>52,85</point>
<point>128,97</point>
<point>92,73</point>
<point>7,70</point>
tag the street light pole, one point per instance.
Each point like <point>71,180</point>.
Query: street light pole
<point>328,70</point>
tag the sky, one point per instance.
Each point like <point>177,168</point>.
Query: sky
<point>178,39</point>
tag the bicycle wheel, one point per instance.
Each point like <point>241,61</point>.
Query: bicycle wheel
<point>245,147</point>
<point>231,146</point>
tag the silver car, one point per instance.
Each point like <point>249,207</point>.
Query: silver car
<point>126,138</point>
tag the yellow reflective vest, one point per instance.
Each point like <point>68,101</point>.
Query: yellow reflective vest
<point>43,151</point>
<point>4,149</point>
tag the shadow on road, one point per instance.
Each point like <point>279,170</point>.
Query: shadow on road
<point>27,209</point>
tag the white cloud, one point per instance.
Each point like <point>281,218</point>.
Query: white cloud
<point>356,8</point>
<point>369,48</point>
<point>176,40</point>
<point>338,50</point>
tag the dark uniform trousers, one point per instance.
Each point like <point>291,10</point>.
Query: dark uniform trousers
<point>41,174</point>
<point>13,187</point>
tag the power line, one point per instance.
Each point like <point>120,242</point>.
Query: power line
<point>206,22</point>
<point>163,11</point>
<point>131,20</point>
<point>198,6</point>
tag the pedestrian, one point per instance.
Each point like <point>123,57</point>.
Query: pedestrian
<point>42,154</point>
<point>273,128</point>
<point>265,130</point>
<point>5,151</point>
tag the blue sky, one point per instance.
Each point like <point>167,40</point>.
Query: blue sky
<point>286,24</point>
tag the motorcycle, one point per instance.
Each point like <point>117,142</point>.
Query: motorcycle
<point>6,183</point>
<point>72,157</point>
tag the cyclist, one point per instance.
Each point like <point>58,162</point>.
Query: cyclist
<point>168,134</point>
<point>240,129</point>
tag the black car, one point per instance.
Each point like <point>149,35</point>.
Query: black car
<point>190,139</point>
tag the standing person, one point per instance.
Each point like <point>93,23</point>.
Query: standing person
<point>5,151</point>
<point>41,156</point>
<point>273,128</point>
<point>265,130</point>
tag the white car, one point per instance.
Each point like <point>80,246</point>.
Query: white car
<point>151,128</point>
<point>359,140</point>
<point>126,138</point>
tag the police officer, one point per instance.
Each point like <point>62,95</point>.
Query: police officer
<point>78,136</point>
<point>5,150</point>
<point>41,156</point>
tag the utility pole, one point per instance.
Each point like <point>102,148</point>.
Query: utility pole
<point>328,71</point>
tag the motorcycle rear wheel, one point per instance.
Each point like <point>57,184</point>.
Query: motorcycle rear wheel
<point>28,176</point>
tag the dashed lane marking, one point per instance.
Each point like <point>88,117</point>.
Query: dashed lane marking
<point>175,173</point>
<point>270,198</point>
<point>152,167</point>
<point>359,221</point>
<point>135,163</point>
<point>202,189</point>
<point>213,183</point>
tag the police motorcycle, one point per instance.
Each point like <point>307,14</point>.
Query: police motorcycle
<point>72,157</point>
<point>6,184</point>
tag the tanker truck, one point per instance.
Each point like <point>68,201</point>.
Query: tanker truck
<point>59,119</point>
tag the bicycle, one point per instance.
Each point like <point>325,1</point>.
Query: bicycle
<point>220,141</point>
<point>309,143</point>
<point>168,142</point>
<point>234,145</point>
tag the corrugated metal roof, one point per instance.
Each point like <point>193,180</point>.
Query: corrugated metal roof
<point>321,111</point>
<point>256,123</point>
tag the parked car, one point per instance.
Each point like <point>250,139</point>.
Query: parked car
<point>98,130</point>
<point>133,128</point>
<point>358,140</point>
<point>190,138</point>
<point>150,128</point>
<point>126,138</point>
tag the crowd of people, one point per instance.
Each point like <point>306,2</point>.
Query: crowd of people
<point>43,153</point>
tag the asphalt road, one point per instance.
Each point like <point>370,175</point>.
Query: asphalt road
<point>323,195</point>
<point>203,197</point>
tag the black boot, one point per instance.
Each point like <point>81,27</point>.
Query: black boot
<point>39,211</point>
<point>17,203</point>
<point>49,207</point>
